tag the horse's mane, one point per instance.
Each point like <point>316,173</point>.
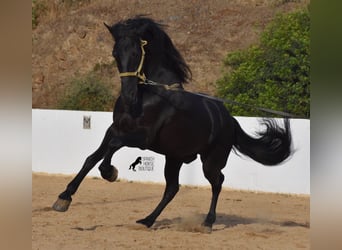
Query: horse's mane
<point>161,44</point>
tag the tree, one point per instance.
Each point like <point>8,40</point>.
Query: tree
<point>273,74</point>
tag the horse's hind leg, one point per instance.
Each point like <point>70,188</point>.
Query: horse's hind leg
<point>64,199</point>
<point>171,173</point>
<point>213,162</point>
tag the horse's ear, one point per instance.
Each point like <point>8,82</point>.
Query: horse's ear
<point>108,27</point>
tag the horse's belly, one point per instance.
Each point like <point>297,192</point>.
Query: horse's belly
<point>181,139</point>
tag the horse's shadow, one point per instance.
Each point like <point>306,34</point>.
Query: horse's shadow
<point>194,222</point>
<point>223,221</point>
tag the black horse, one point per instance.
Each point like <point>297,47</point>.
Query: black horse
<point>157,114</point>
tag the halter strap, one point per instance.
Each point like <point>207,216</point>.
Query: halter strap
<point>138,73</point>
<point>141,75</point>
<point>173,86</point>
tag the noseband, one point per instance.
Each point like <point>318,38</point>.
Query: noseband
<point>138,73</point>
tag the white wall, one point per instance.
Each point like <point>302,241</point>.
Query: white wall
<point>60,144</point>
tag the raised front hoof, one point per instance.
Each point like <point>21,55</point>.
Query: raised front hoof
<point>110,173</point>
<point>61,205</point>
<point>146,222</point>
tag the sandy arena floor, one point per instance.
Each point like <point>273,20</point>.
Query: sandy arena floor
<point>102,216</point>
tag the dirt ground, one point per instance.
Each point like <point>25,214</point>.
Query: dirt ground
<point>102,216</point>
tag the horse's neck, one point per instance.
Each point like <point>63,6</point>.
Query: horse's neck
<point>163,76</point>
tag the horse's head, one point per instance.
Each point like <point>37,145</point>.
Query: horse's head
<point>163,63</point>
<point>128,51</point>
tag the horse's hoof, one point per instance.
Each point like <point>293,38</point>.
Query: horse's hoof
<point>207,230</point>
<point>61,205</point>
<point>145,222</point>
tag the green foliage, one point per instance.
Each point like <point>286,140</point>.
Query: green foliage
<point>87,93</point>
<point>273,74</point>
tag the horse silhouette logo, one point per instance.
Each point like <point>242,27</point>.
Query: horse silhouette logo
<point>134,164</point>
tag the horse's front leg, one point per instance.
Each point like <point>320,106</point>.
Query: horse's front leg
<point>107,170</point>
<point>64,199</point>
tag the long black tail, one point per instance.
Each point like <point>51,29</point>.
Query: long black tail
<point>271,147</point>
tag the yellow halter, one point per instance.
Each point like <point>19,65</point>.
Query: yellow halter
<point>138,73</point>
